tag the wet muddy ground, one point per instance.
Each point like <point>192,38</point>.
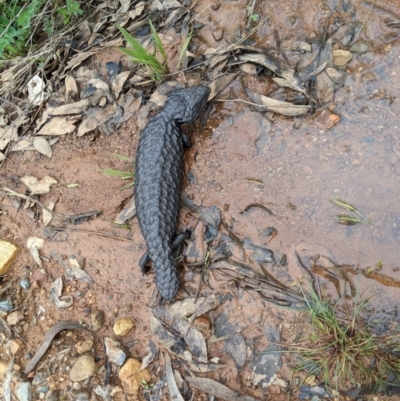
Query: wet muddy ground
<point>293,166</point>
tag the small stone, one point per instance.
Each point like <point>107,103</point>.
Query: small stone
<point>114,352</point>
<point>76,386</point>
<point>84,367</point>
<point>84,346</point>
<point>369,76</point>
<point>6,305</point>
<point>341,57</point>
<point>359,47</point>
<point>14,346</point>
<point>17,367</point>
<point>355,162</point>
<point>24,391</point>
<point>14,318</point>
<point>122,326</point>
<point>39,378</point>
<point>96,319</point>
<point>82,397</point>
<point>53,395</point>
<point>218,34</point>
<point>3,370</point>
<point>8,252</point>
<point>215,6</point>
<point>326,120</point>
<point>24,283</point>
<point>274,389</point>
<point>337,76</point>
<point>393,158</point>
<point>130,376</point>
<point>202,323</point>
<point>43,389</point>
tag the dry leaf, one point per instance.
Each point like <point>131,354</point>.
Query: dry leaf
<point>34,244</point>
<point>118,83</point>
<point>162,5</point>
<point>95,117</point>
<point>127,213</point>
<point>7,134</point>
<point>42,146</point>
<point>325,88</point>
<point>36,93</point>
<point>217,389</point>
<point>23,144</point>
<point>47,216</point>
<point>130,105</point>
<point>174,393</point>
<point>38,187</point>
<point>55,295</point>
<point>276,106</point>
<point>59,126</point>
<point>71,88</point>
<point>78,272</point>
<point>221,83</point>
<point>287,74</point>
<point>295,45</point>
<point>2,112</point>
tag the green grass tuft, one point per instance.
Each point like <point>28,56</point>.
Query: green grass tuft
<point>139,54</point>
<point>340,350</point>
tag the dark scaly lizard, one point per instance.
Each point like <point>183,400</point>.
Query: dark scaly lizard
<point>158,182</point>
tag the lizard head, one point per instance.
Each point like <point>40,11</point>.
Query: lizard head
<point>186,105</point>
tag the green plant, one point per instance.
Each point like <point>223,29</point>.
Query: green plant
<point>254,17</point>
<point>71,10</point>
<point>122,175</point>
<point>147,386</point>
<point>140,55</point>
<point>15,25</point>
<point>341,350</point>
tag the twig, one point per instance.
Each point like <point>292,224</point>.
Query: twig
<point>366,18</point>
<point>80,230</point>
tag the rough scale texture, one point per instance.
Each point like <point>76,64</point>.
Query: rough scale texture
<point>158,181</point>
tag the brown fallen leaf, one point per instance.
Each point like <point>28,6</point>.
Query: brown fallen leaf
<point>25,143</point>
<point>42,146</point>
<point>55,295</point>
<point>59,126</point>
<point>34,244</point>
<point>46,215</point>
<point>276,106</point>
<point>221,83</point>
<point>217,389</point>
<point>130,105</point>
<point>118,83</point>
<point>127,213</point>
<point>71,88</point>
<point>95,117</point>
<point>174,393</point>
<point>38,187</point>
<point>7,134</point>
<point>169,341</point>
<point>325,88</point>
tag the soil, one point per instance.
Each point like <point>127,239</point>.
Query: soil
<point>294,169</point>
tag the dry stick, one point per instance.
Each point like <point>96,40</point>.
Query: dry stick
<point>81,230</point>
<point>383,8</point>
<point>10,192</point>
<point>366,18</point>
